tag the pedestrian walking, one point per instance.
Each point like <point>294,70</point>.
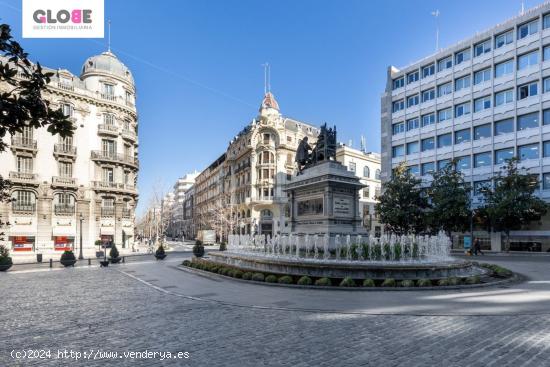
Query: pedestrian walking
<point>477,247</point>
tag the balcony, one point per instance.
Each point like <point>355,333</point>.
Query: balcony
<point>65,86</point>
<point>21,143</point>
<point>107,129</point>
<point>23,208</point>
<point>130,104</point>
<point>24,178</point>
<point>129,134</point>
<point>106,156</point>
<point>64,181</point>
<point>109,97</point>
<point>63,209</point>
<point>113,186</point>
<point>126,213</point>
<point>107,211</point>
<point>64,150</point>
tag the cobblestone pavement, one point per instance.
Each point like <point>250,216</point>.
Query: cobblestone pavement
<point>85,309</point>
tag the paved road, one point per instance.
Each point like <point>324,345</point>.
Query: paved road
<point>156,307</point>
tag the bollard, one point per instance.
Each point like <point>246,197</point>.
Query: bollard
<point>51,263</point>
<point>89,261</point>
<point>123,259</point>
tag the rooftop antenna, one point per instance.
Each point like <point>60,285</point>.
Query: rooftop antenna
<point>267,77</point>
<point>109,35</point>
<point>363,143</point>
<point>436,15</point>
<point>522,8</point>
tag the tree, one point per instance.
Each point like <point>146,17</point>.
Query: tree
<point>450,200</point>
<point>512,203</point>
<point>21,101</point>
<point>402,204</point>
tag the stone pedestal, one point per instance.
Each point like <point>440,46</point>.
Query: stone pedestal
<point>324,199</point>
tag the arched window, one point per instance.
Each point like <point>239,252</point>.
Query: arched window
<point>108,119</point>
<point>366,171</point>
<point>266,214</point>
<point>377,174</point>
<point>24,201</point>
<point>267,157</point>
<point>64,203</point>
<point>248,213</point>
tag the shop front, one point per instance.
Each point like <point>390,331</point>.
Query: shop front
<point>63,243</point>
<point>22,243</point>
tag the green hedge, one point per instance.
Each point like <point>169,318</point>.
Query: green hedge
<point>323,282</point>
<point>424,283</point>
<point>271,278</point>
<point>305,280</point>
<point>368,283</point>
<point>286,279</point>
<point>407,283</point>
<point>258,277</point>
<point>390,282</point>
<point>347,282</point>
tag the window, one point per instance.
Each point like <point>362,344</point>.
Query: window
<point>504,39</point>
<point>546,181</point>
<point>462,56</point>
<point>67,109</point>
<point>414,170</point>
<point>427,144</point>
<point>428,95</point>
<point>482,48</point>
<point>366,171</point>
<point>412,147</point>
<point>108,148</point>
<point>108,119</point>
<point>24,198</point>
<point>504,68</point>
<point>444,140</point>
<point>482,76</point>
<point>546,85</point>
<point>108,90</point>
<point>482,103</point>
<point>479,186</point>
<point>444,89</point>
<point>546,53</point>
<point>398,83</point>
<point>445,114</point>
<point>546,149</point>
<point>462,109</point>
<point>504,127</point>
<point>462,83</point>
<point>528,60</point>
<point>352,166</point>
<point>413,124</point>
<point>412,77</point>
<point>482,159</point>
<point>502,155</point>
<point>528,29</point>
<point>441,164</point>
<point>463,163</point>
<point>428,70</point>
<point>445,63</point>
<point>65,169</point>
<point>427,168</point>
<point>267,138</point>
<point>398,128</point>
<point>366,192</point>
<point>108,175</point>
<point>546,117</point>
<point>546,21</point>
<point>527,90</point>
<point>530,151</point>
<point>462,136</point>
<point>24,164</point>
<point>428,119</point>
<point>377,174</point>
<point>398,105</point>
<point>482,131</point>
<point>528,121</point>
<point>506,96</point>
<point>412,100</point>
<point>398,151</point>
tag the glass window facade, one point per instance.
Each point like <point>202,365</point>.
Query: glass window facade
<point>444,140</point>
<point>482,103</point>
<point>413,147</point>
<point>444,89</point>
<point>502,155</point>
<point>445,63</point>
<point>428,119</point>
<point>504,97</point>
<point>504,127</point>
<point>398,83</point>
<point>482,131</point>
<point>412,124</point>
<point>398,128</point>
<point>444,115</point>
<point>482,159</point>
<point>462,136</point>
<point>462,109</point>
<point>530,151</point>
<point>443,163</point>
<point>427,168</point>
<point>412,100</point>
<point>461,83</point>
<point>413,77</point>
<point>528,121</point>
<point>428,95</point>
<point>504,39</point>
<point>482,48</point>
<point>463,163</point>
<point>482,76</point>
<point>528,60</point>
<point>462,56</point>
<point>427,144</point>
<point>428,70</point>
<point>504,68</point>
<point>398,151</point>
<point>528,90</point>
<point>528,29</point>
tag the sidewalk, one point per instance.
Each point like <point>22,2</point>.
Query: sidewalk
<point>503,253</point>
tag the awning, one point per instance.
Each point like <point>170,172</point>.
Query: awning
<point>68,231</point>
<point>107,231</point>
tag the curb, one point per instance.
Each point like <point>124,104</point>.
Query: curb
<point>516,278</point>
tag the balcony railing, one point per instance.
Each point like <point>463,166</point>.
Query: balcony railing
<point>114,157</point>
<point>23,176</point>
<point>63,209</point>
<point>23,207</point>
<point>130,104</point>
<point>108,96</point>
<point>112,185</point>
<point>129,134</point>
<point>126,213</point>
<point>65,86</point>
<point>107,128</point>
<point>107,211</point>
<point>65,149</point>
<point>25,143</point>
<point>64,181</point>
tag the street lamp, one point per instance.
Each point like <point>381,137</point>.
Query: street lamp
<point>80,256</point>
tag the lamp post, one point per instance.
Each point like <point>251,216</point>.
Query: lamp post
<point>80,256</point>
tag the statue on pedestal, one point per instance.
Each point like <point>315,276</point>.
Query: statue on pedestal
<point>324,150</point>
<point>303,157</point>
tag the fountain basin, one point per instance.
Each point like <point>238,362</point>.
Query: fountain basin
<point>318,268</point>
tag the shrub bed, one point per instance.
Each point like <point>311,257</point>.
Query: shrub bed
<point>347,282</point>
<point>258,277</point>
<point>407,283</point>
<point>271,279</point>
<point>390,282</point>
<point>286,279</point>
<point>368,283</point>
<point>323,282</point>
<point>423,283</point>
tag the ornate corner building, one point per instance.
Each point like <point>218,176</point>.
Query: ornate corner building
<point>82,184</point>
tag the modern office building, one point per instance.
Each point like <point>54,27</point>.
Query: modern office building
<point>366,166</point>
<point>175,211</point>
<point>84,184</point>
<point>481,101</point>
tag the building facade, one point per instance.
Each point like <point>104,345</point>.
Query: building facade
<point>84,184</point>
<point>481,101</point>
<point>366,166</point>
<point>176,224</point>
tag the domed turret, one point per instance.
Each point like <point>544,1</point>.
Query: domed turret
<point>107,63</point>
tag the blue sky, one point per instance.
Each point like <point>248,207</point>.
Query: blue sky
<point>197,64</point>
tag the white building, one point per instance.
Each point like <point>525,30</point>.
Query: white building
<point>481,101</point>
<point>182,185</point>
<point>366,166</point>
<point>89,178</point>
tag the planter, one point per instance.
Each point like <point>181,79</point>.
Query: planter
<point>104,263</point>
<point>66,263</point>
<point>115,260</point>
<point>160,256</point>
<point>5,267</point>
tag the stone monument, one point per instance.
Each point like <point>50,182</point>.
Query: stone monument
<point>324,195</point>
